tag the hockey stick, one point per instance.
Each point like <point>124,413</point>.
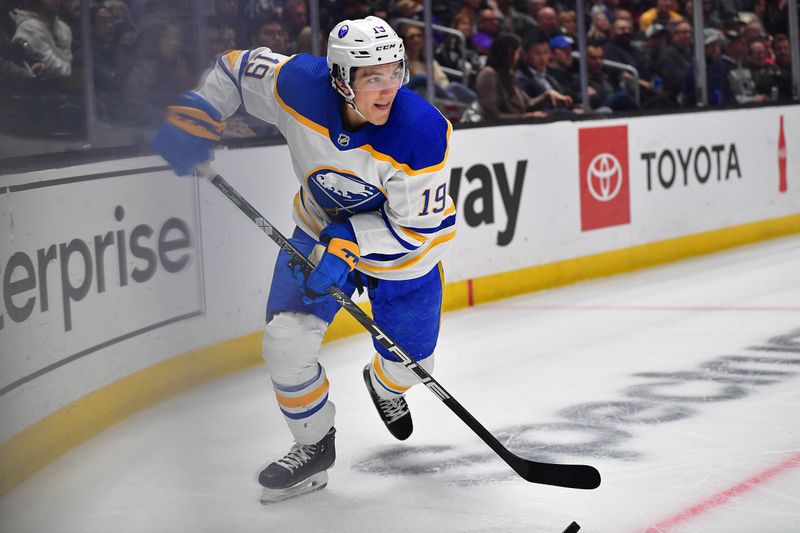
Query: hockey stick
<point>570,476</point>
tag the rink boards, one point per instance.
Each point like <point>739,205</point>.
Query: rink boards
<point>123,285</point>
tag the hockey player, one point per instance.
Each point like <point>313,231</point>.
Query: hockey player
<point>372,212</point>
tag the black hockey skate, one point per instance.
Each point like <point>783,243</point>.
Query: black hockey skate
<point>303,469</point>
<point>394,413</point>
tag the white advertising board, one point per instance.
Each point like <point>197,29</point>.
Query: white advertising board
<point>532,195</point>
<point>112,267</point>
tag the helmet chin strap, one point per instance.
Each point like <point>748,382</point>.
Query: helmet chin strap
<point>351,102</point>
<point>349,99</point>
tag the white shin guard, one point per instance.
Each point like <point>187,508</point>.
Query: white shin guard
<point>291,349</point>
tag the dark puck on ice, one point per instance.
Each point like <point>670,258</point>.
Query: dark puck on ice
<point>572,528</point>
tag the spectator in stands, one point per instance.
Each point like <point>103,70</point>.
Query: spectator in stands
<point>674,61</point>
<point>734,48</point>
<point>449,52</point>
<point>561,67</point>
<point>783,62</point>
<point>102,49</point>
<point>49,38</point>
<point>499,93</point>
<point>227,15</point>
<point>120,12</point>
<point>532,71</point>
<point>532,7</point>
<point>663,13</point>
<point>295,21</point>
<point>122,47</point>
<point>124,35</point>
<point>355,9</point>
<point>469,9</point>
<point>220,37</point>
<point>754,31</point>
<point>487,30</point>
<point>600,30</point>
<point>624,14</point>
<point>380,9</point>
<point>13,61</point>
<point>620,49</point>
<point>655,41</point>
<point>547,20</point>
<point>69,11</point>
<point>733,23</point>
<point>268,31</point>
<point>719,91</point>
<point>568,23</point>
<point>158,74</point>
<point>414,41</point>
<point>711,16</point>
<point>765,76</point>
<point>407,9</point>
<point>512,21</point>
<point>600,88</point>
<point>740,79</point>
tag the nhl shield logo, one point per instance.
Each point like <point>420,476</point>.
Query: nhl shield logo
<point>343,139</point>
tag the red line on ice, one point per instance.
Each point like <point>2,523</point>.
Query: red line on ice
<point>722,497</point>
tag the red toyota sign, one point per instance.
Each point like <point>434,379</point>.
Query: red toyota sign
<point>605,194</point>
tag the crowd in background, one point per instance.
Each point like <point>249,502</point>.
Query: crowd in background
<point>518,60</point>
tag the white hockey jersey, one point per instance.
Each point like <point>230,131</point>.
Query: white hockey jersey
<point>389,180</point>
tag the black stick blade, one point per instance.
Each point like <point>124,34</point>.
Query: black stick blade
<point>569,476</point>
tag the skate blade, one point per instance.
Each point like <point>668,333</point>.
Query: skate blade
<point>316,482</point>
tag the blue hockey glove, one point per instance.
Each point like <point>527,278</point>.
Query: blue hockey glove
<point>339,256</point>
<point>188,134</point>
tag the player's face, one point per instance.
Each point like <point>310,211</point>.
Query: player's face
<point>375,88</point>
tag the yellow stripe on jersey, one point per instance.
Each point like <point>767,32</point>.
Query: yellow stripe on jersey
<point>404,167</point>
<point>420,237</point>
<point>413,234</point>
<point>294,114</point>
<point>322,130</point>
<point>411,262</point>
<point>300,210</point>
<point>231,58</point>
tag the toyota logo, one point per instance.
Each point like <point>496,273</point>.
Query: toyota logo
<point>604,177</point>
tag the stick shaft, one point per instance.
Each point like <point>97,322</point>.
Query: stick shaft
<point>573,476</point>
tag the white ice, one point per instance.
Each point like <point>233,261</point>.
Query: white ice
<point>557,375</point>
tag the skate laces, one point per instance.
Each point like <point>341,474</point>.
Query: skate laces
<point>297,456</point>
<point>393,410</point>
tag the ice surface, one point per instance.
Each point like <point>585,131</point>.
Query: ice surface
<point>679,383</point>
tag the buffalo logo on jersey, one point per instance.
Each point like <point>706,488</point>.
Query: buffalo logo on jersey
<point>341,194</point>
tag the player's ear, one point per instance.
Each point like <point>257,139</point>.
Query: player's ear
<point>344,88</point>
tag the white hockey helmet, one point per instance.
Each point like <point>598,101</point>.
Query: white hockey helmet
<point>362,43</point>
